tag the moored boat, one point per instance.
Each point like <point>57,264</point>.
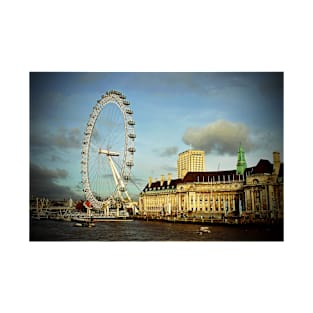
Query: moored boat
<point>204,229</point>
<point>85,224</point>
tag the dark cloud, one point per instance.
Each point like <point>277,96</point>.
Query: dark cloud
<point>63,138</point>
<point>56,158</point>
<point>67,138</point>
<point>43,183</point>
<point>222,137</point>
<point>272,84</point>
<point>38,172</point>
<point>46,104</point>
<point>79,187</point>
<point>169,151</point>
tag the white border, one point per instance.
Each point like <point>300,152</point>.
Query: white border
<point>171,36</point>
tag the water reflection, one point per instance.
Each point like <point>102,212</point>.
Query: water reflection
<point>48,230</point>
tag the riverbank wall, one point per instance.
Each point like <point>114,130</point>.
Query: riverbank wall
<point>208,221</point>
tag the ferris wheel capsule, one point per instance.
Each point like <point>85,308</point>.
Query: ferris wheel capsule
<point>132,149</point>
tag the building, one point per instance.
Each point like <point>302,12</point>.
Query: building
<point>159,197</point>
<point>254,195</point>
<point>190,161</point>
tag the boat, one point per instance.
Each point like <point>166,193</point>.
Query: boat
<point>85,224</point>
<point>204,229</point>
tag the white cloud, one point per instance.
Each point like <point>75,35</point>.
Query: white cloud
<point>221,137</point>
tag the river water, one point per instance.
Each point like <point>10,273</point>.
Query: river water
<point>139,230</point>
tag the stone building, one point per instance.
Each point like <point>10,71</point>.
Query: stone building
<point>264,190</point>
<point>249,194</point>
<point>159,197</point>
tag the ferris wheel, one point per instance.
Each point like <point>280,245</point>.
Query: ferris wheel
<point>108,150</point>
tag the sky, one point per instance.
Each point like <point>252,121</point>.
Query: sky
<point>173,111</point>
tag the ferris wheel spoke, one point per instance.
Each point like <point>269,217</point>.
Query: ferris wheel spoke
<point>111,140</point>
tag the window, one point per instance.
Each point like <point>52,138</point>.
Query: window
<point>257,194</point>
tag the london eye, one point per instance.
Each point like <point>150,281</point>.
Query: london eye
<point>108,151</point>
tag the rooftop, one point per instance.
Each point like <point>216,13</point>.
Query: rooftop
<point>156,184</point>
<point>263,167</point>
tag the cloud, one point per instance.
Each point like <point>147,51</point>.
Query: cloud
<point>222,137</point>
<point>43,183</point>
<point>169,151</point>
<point>67,138</point>
<point>56,158</point>
<point>46,104</point>
<point>39,172</point>
<point>63,138</point>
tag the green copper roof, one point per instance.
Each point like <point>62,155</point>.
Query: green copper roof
<point>241,161</point>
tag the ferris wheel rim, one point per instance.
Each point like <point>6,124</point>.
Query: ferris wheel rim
<point>120,101</point>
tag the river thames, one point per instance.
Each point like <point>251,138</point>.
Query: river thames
<point>138,230</point>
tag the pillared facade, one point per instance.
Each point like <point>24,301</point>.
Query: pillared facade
<point>254,195</point>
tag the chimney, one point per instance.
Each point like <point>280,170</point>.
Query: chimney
<point>150,181</point>
<point>276,161</point>
<point>169,178</point>
<point>162,180</point>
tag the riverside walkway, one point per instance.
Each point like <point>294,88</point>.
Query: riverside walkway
<point>231,220</point>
